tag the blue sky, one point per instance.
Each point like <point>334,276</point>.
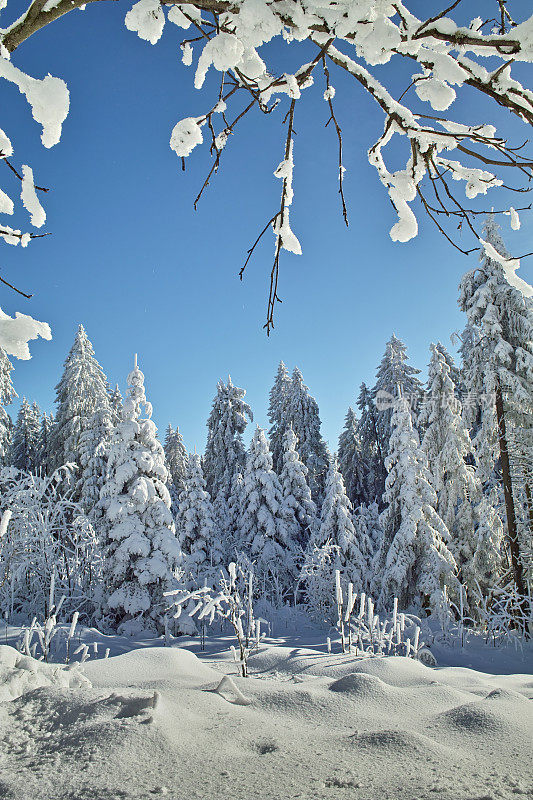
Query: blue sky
<point>145,273</point>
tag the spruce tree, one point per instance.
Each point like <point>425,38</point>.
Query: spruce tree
<point>81,391</point>
<point>414,562</point>
<point>446,443</point>
<point>504,317</point>
<point>7,395</point>
<point>394,377</point>
<point>141,547</point>
<point>460,501</point>
<point>45,443</point>
<point>297,504</point>
<point>303,414</point>
<point>352,463</point>
<point>277,414</point>
<point>176,455</point>
<point>195,527</point>
<point>264,531</point>
<point>224,453</point>
<point>93,451</point>
<point>455,372</point>
<point>25,448</point>
<point>369,535</point>
<point>337,529</point>
<point>115,401</point>
<point>372,454</point>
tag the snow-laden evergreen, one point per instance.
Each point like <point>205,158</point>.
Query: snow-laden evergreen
<point>303,414</point>
<point>25,446</point>
<point>455,372</point>
<point>176,456</point>
<point>142,550</point>
<point>45,443</point>
<point>336,529</point>
<point>504,317</point>
<point>461,504</point>
<point>115,401</point>
<point>471,379</point>
<point>369,535</point>
<point>352,463</point>
<point>447,444</point>
<point>195,527</point>
<point>81,391</point>
<point>414,563</point>
<point>277,414</point>
<point>225,453</point>
<point>296,494</point>
<point>394,377</point>
<point>93,449</point>
<point>264,531</point>
<point>7,395</point>
<point>372,454</point>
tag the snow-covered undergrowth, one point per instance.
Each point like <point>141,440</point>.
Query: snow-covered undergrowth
<point>166,721</point>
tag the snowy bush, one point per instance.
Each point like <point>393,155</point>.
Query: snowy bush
<point>232,602</point>
<point>364,632</point>
<point>48,538</point>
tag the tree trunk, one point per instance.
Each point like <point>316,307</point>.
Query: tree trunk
<point>512,533</point>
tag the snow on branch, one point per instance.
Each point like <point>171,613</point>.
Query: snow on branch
<point>356,36</point>
<point>15,333</point>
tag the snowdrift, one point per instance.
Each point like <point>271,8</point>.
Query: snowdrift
<point>158,722</point>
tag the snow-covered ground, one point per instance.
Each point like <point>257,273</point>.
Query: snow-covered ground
<point>154,721</point>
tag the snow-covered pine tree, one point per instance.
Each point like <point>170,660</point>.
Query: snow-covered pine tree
<point>303,414</point>
<point>93,450</point>
<point>297,504</point>
<point>195,528</point>
<point>45,443</point>
<point>277,414</point>
<point>224,453</point>
<point>141,547</point>
<point>25,447</point>
<point>264,531</point>
<point>369,535</point>
<point>394,375</point>
<point>336,529</point>
<point>115,401</point>
<point>81,391</point>
<point>447,444</point>
<point>352,464</point>
<point>176,455</point>
<point>414,563</point>
<point>37,420</point>
<point>504,316</point>
<point>460,501</point>
<point>228,519</point>
<point>373,456</point>
<point>455,372</point>
<point>7,395</point>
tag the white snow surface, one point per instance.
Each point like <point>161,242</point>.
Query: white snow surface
<point>163,722</point>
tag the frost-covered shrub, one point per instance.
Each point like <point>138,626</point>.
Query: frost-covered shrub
<point>48,535</point>
<point>232,602</point>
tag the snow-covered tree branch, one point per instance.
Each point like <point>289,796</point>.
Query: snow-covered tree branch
<point>448,57</point>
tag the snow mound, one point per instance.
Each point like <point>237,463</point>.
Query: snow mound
<point>20,674</point>
<point>472,718</point>
<point>362,686</point>
<point>155,666</point>
<point>397,671</point>
<point>393,742</point>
